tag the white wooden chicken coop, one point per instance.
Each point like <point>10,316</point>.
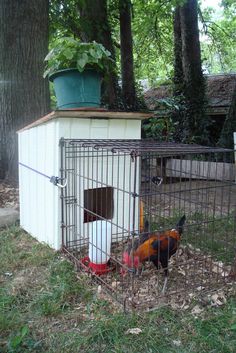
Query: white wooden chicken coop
<point>121,194</point>
<point>40,159</point>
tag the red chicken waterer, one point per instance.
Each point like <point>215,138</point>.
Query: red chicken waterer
<point>98,269</point>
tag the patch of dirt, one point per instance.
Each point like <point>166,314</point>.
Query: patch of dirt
<point>193,276</point>
<point>9,195</point>
<point>27,280</point>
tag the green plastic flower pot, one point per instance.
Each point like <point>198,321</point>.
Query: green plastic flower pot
<point>76,89</point>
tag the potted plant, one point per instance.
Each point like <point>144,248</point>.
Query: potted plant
<point>76,70</point>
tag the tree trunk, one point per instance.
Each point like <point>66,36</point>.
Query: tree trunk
<point>178,67</point>
<point>24,94</point>
<point>95,26</point>
<point>178,115</point>
<point>226,137</point>
<point>196,122</point>
<point>127,65</point>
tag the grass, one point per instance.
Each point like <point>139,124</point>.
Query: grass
<point>63,291</point>
<point>45,307</point>
<point>215,236</point>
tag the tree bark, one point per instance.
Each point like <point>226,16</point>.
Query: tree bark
<point>95,26</point>
<point>226,137</point>
<point>178,67</point>
<point>178,115</point>
<point>24,94</point>
<point>194,83</point>
<point>127,65</point>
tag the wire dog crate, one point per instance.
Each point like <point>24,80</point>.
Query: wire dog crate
<point>120,190</point>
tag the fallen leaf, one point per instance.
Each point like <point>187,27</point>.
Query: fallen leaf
<point>186,307</point>
<point>215,269</point>
<point>133,331</point>
<point>182,272</point>
<point>218,299</point>
<point>177,343</point>
<point>200,288</point>
<point>196,310</point>
<point>9,274</point>
<point>115,284</point>
<point>225,273</point>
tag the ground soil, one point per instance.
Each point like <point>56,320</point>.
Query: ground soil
<point>9,195</point>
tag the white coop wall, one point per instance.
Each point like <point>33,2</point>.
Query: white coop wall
<point>40,205</point>
<point>39,199</point>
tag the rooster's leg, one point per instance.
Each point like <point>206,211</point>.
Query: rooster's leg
<point>165,282</point>
<point>142,269</point>
<point>164,264</point>
<point>139,271</point>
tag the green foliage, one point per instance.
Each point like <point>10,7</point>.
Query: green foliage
<point>70,53</point>
<point>14,256</point>
<point>162,126</point>
<point>153,34</point>
<point>191,122</point>
<point>9,319</point>
<point>21,341</point>
<point>218,46</point>
<point>153,39</point>
<point>15,341</point>
<point>64,18</point>
<point>161,129</point>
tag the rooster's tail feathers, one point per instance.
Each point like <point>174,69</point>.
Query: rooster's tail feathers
<point>146,226</point>
<point>180,224</point>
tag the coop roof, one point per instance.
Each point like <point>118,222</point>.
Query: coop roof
<point>219,91</point>
<point>95,113</point>
<point>139,147</point>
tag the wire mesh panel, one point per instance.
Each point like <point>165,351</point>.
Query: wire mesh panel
<point>150,220</point>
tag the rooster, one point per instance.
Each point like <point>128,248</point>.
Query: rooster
<point>155,247</point>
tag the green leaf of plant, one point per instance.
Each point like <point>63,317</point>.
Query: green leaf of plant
<point>93,53</point>
<point>15,341</point>
<point>46,73</point>
<point>82,61</point>
<point>68,54</point>
<point>233,327</point>
<point>50,55</point>
<point>24,331</point>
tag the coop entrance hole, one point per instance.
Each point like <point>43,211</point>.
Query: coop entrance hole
<point>98,204</point>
